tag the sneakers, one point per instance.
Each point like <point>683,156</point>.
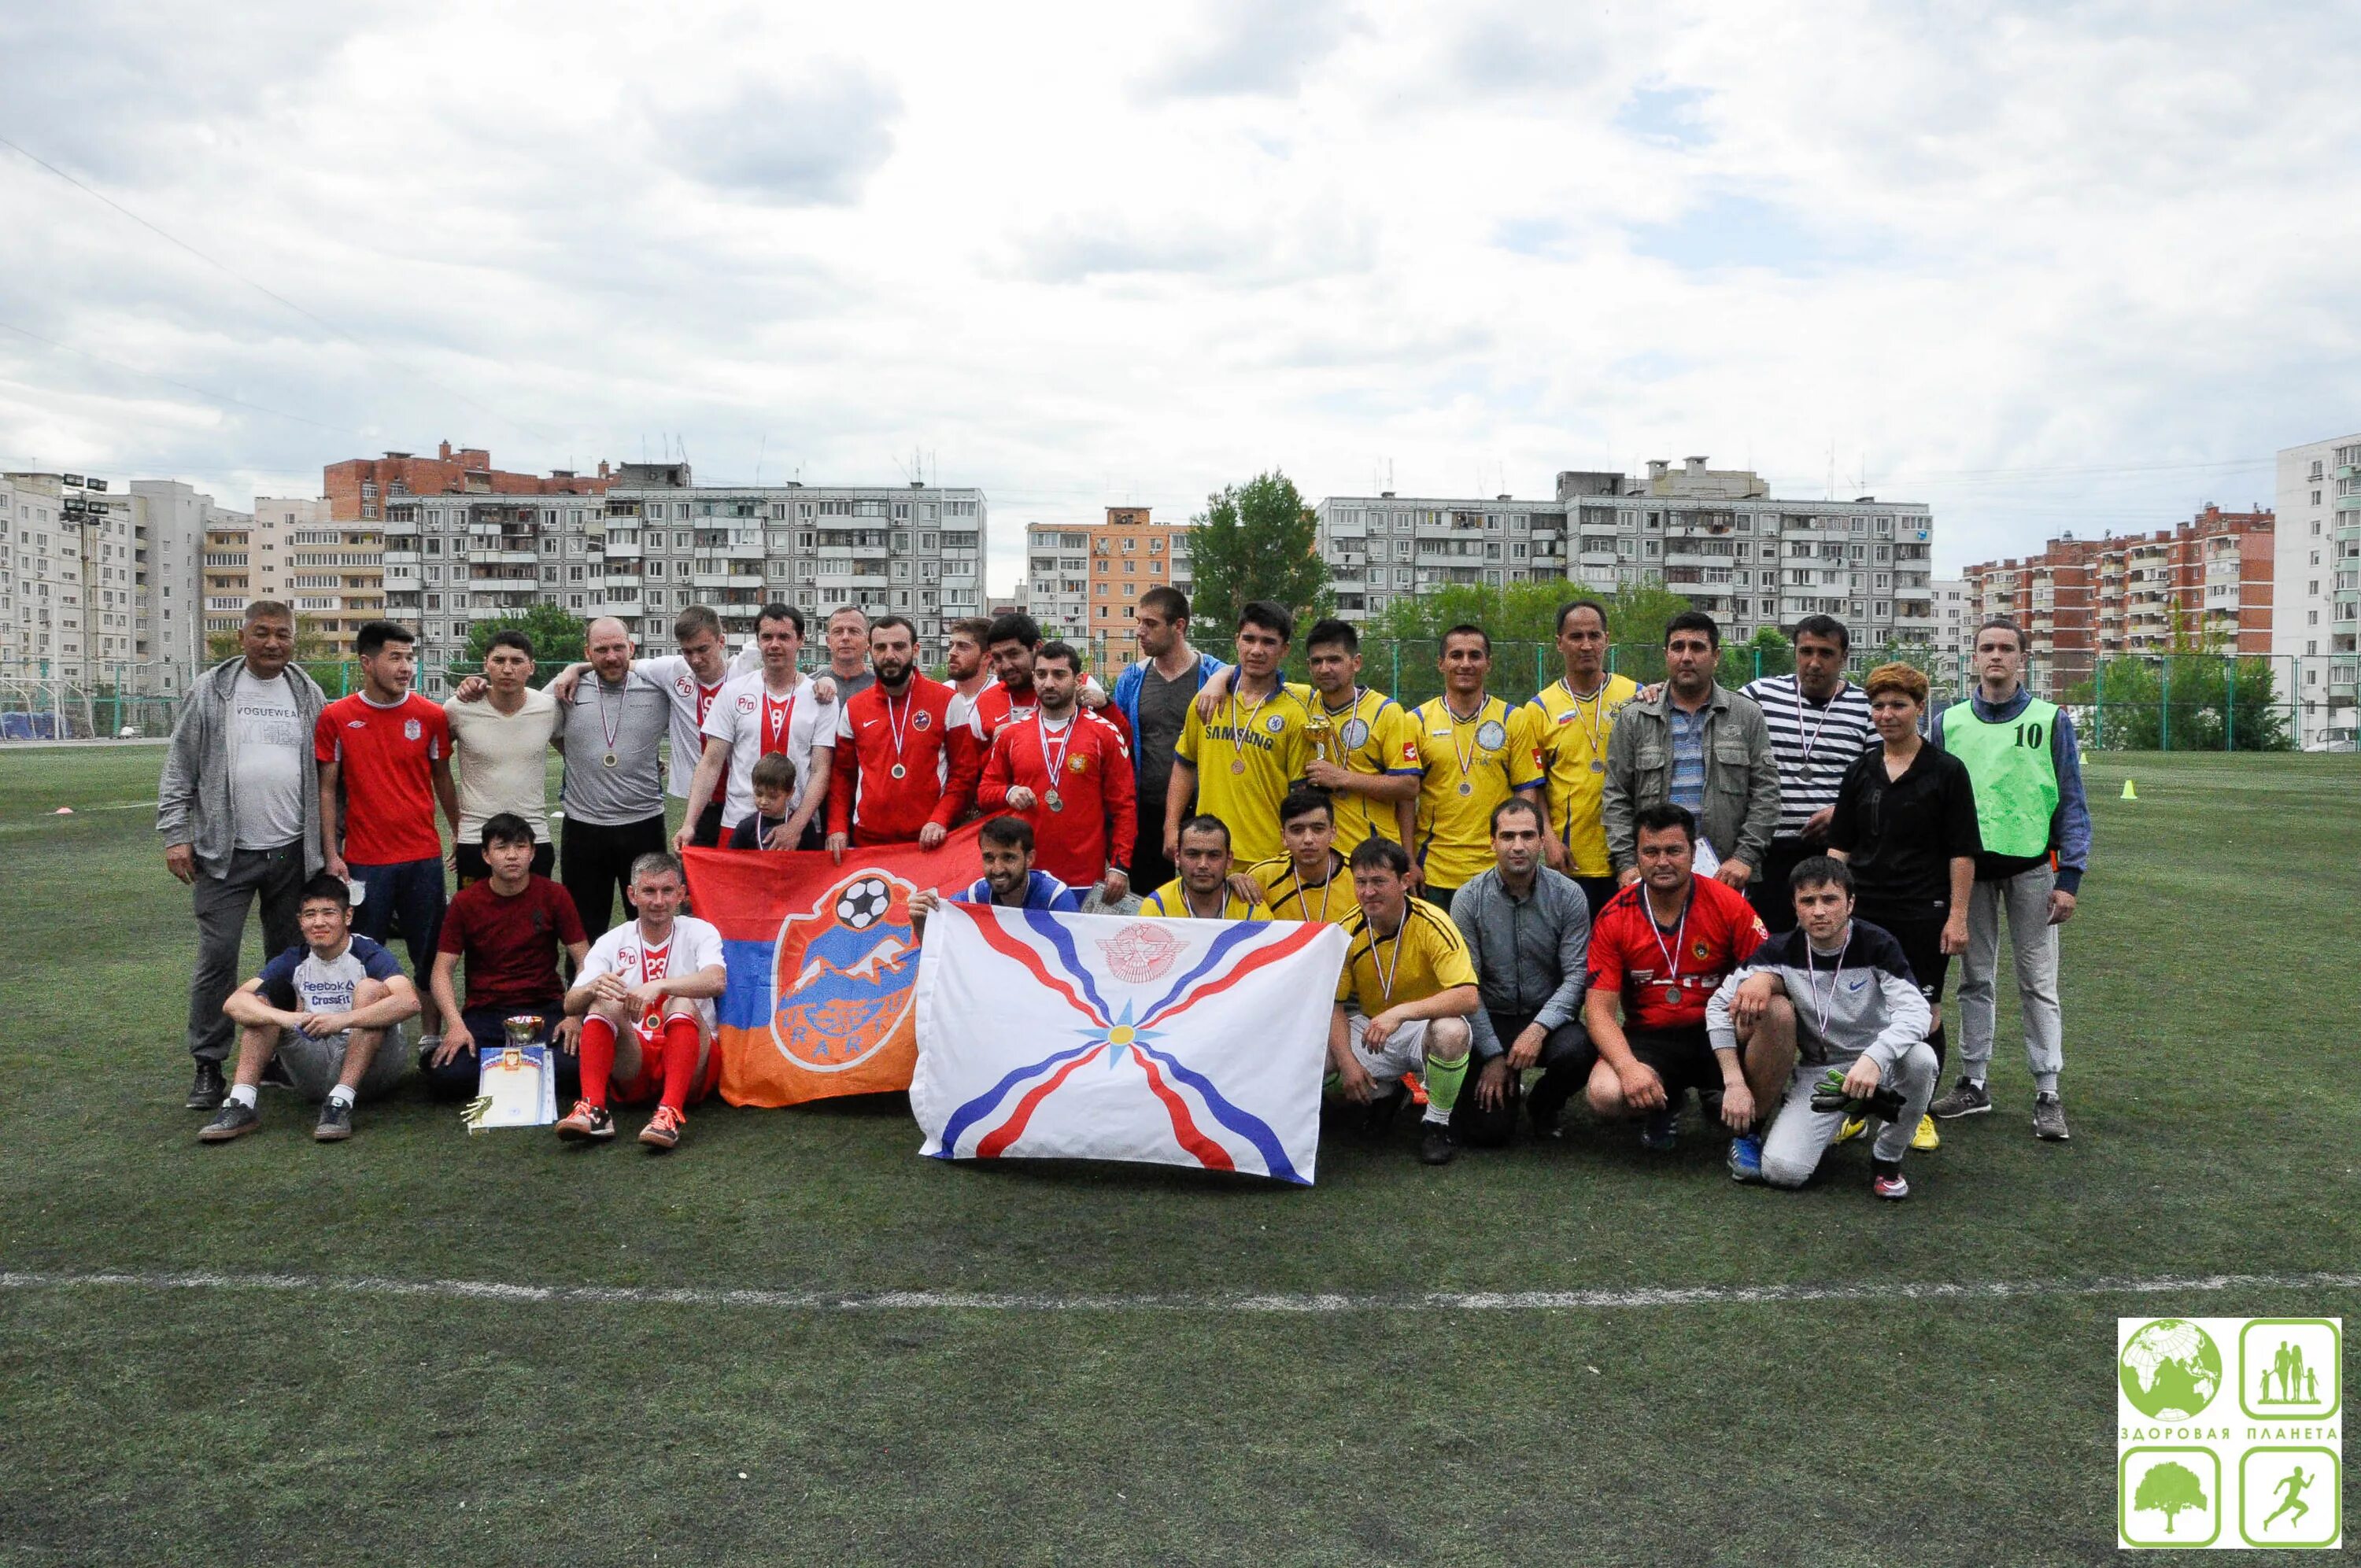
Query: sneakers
<point>586,1123</point>
<point>1854,1126</point>
<point>235,1122</point>
<point>209,1089</point>
<point>1435,1144</point>
<point>2049,1118</point>
<point>1892,1186</point>
<point>663,1131</point>
<point>1661,1131</point>
<point>1746,1158</point>
<point>335,1122</point>
<point>1968,1098</point>
<point>1926,1137</point>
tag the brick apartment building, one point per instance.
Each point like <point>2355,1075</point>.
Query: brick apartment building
<point>2081,600</point>
<point>360,487</point>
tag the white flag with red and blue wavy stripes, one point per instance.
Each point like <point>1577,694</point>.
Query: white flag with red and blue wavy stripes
<point>1198,1043</point>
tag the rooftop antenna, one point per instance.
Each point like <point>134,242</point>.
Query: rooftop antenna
<point>759,452</point>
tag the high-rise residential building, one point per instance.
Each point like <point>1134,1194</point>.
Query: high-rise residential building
<point>2205,583</point>
<point>101,587</point>
<point>1715,536</point>
<point>2314,623</point>
<point>1083,581</point>
<point>1955,631</point>
<point>651,543</point>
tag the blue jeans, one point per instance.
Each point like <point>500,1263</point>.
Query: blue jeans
<point>408,892</point>
<point>458,1078</point>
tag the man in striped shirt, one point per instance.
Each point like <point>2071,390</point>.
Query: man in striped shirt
<point>1818,722</point>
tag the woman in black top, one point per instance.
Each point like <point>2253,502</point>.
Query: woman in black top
<point>1905,821</point>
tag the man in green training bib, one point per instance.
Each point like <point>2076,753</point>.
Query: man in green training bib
<point>2035,824</point>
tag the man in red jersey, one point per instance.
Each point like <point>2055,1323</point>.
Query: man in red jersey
<point>385,761</point>
<point>899,777</point>
<point>1658,949</point>
<point>1012,640</point>
<point>1069,773</point>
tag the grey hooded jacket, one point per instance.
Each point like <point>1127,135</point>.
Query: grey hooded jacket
<point>194,802</point>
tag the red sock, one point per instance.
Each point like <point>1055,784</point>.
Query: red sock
<point>679,1061</point>
<point>598,1059</point>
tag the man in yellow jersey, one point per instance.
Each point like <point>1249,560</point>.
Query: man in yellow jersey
<point>1577,715</point>
<point>1202,891</point>
<point>1364,747</point>
<point>1403,1000</point>
<point>1240,764</point>
<point>1311,882</point>
<point>1474,752</point>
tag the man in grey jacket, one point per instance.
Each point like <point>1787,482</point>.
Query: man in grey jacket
<point>1841,990</point>
<point>238,808</point>
<point>1697,744</point>
<point>1528,928</point>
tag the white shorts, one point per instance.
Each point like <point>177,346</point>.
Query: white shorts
<point>1404,1050</point>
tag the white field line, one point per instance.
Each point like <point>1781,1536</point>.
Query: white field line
<point>991,1302</point>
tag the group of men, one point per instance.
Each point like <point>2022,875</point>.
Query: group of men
<point>1594,892</point>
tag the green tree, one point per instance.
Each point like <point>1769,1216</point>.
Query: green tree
<point>1254,540</point>
<point>1765,654</point>
<point>2169,1488</point>
<point>556,638</point>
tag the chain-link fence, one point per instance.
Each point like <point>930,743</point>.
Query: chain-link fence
<point>2186,702</point>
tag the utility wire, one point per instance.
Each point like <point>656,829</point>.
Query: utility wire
<point>185,386</point>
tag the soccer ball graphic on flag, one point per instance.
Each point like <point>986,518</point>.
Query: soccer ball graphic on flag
<point>844,971</point>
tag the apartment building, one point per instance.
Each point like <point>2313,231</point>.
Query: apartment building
<point>101,585</point>
<point>1083,582</point>
<point>1715,536</point>
<point>2204,583</point>
<point>2318,563</point>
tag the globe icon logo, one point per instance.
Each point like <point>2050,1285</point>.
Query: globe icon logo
<point>2170,1370</point>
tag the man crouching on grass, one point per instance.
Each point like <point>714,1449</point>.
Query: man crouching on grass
<point>324,1009</point>
<point>1839,993</point>
<point>645,998</point>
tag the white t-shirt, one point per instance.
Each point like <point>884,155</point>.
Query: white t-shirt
<point>501,762</point>
<point>270,743</point>
<point>690,700</point>
<point>961,712</point>
<point>737,716</point>
<point>623,953</point>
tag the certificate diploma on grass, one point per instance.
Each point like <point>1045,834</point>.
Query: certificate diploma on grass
<point>517,1086</point>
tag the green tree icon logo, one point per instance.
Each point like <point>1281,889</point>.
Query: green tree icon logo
<point>2170,1370</point>
<point>2169,1488</point>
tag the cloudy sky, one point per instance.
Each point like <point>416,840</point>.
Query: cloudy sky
<point>2049,267</point>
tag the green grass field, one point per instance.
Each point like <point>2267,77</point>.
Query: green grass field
<point>2210,992</point>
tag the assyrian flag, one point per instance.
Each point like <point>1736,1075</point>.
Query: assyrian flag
<point>1198,1043</point>
<point>822,962</point>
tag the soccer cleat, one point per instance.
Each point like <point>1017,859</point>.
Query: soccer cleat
<point>2049,1119</point>
<point>1746,1158</point>
<point>335,1122</point>
<point>1377,1118</point>
<point>235,1122</point>
<point>1828,1094</point>
<point>1926,1137</point>
<point>208,1090</point>
<point>663,1131</point>
<point>1854,1126</point>
<point>586,1123</point>
<point>1892,1187</point>
<point>1661,1130</point>
<point>1435,1144</point>
<point>1968,1098</point>
<point>1417,1090</point>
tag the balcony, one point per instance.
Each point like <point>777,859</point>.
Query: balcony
<point>619,550</point>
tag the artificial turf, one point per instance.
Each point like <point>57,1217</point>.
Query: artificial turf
<point>2209,992</point>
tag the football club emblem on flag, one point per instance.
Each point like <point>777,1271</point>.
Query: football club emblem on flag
<point>1197,1043</point>
<point>822,963</point>
<point>843,972</point>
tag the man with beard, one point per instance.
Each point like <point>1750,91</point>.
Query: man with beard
<point>1005,846</point>
<point>967,668</point>
<point>899,777</point>
<point>1153,695</point>
<point>1070,773</point>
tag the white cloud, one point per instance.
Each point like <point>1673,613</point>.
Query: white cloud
<point>1083,257</point>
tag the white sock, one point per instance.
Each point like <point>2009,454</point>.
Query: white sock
<point>341,1094</point>
<point>243,1094</point>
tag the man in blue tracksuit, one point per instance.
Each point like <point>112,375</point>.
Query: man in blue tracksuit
<point>1154,695</point>
<point>2034,822</point>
